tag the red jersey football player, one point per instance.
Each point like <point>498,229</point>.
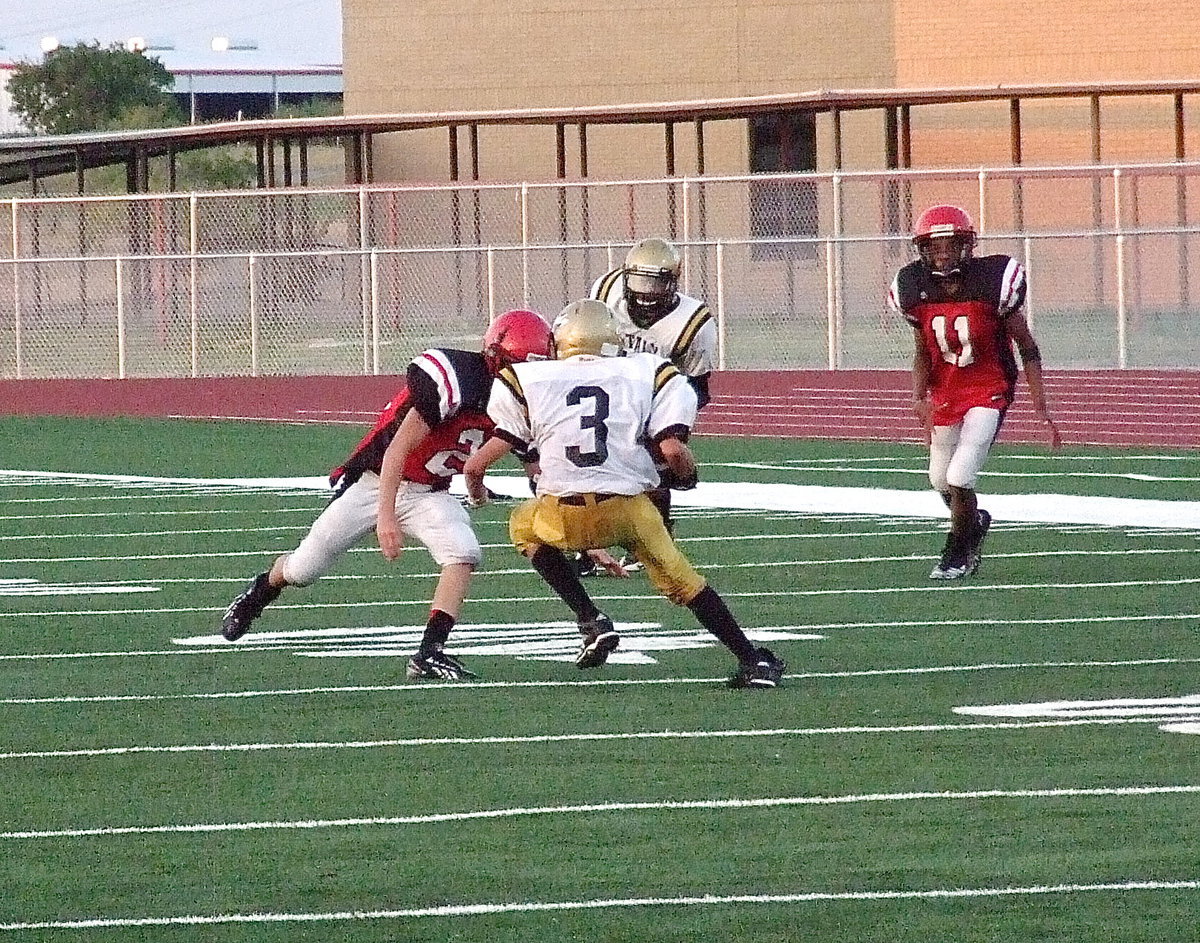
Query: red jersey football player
<point>966,315</point>
<point>427,431</point>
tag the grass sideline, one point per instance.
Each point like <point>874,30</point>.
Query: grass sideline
<point>294,787</point>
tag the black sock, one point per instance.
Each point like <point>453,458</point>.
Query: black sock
<point>715,616</point>
<point>437,630</point>
<point>559,574</point>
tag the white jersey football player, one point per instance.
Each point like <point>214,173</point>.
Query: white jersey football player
<point>593,415</point>
<point>653,316</point>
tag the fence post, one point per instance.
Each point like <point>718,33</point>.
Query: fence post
<point>525,244</point>
<point>687,238</point>
<point>1122,309</point>
<point>491,283</point>
<point>1027,243</point>
<point>17,332</point>
<point>120,319</point>
<point>253,275</point>
<point>374,371</point>
<point>983,226</point>
<point>835,320</point>
<point>721,325</point>
<point>830,306</point>
<point>364,275</point>
<point>193,282</point>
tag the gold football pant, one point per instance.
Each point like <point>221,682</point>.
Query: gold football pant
<point>592,522</point>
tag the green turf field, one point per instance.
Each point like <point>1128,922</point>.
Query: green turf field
<point>1008,759</point>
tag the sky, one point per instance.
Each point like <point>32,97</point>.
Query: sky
<point>287,32</point>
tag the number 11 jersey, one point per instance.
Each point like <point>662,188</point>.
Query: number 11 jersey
<point>970,353</point>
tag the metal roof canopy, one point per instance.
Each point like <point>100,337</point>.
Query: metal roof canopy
<point>32,158</point>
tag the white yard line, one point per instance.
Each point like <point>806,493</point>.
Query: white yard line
<point>706,900</point>
<point>1035,508</point>
<point>434,690</point>
<point>668,806</point>
<point>642,597</point>
<point>572,738</point>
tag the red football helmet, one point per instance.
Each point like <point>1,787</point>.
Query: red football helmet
<point>938,222</point>
<point>516,336</point>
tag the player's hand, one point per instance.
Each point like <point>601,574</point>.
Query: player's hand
<point>923,408</point>
<point>611,565</point>
<point>391,543</point>
<point>1055,435</point>
<point>686,483</point>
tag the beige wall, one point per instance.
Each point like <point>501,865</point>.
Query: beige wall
<point>427,56</point>
<point>430,55</point>
<point>972,43</point>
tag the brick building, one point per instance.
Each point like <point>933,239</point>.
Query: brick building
<point>427,56</point>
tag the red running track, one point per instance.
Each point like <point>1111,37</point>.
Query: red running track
<point>1103,407</point>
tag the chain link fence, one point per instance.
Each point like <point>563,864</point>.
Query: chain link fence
<point>795,268</point>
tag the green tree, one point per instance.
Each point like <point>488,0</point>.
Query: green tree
<point>88,88</point>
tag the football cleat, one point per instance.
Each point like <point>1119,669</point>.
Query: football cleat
<point>600,639</point>
<point>766,672</point>
<point>247,607</point>
<point>437,665</point>
<point>983,520</point>
<point>955,562</point>
<point>585,565</point>
<point>632,564</point>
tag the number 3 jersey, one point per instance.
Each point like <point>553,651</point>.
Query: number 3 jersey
<point>593,419</point>
<point>970,352</point>
<point>449,389</point>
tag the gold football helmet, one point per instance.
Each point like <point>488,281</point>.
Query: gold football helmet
<point>651,274</point>
<point>586,327</point>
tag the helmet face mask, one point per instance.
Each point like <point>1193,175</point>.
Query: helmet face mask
<point>586,327</point>
<point>651,281</point>
<point>515,337</point>
<point>945,239</point>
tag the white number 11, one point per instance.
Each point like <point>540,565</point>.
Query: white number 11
<point>962,328</point>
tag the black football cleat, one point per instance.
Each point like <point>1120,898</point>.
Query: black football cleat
<point>585,566</point>
<point>248,607</point>
<point>600,639</point>
<point>955,562</point>
<point>437,665</point>
<point>765,672</point>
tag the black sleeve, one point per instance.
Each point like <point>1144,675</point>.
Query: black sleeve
<point>700,385</point>
<point>425,395</point>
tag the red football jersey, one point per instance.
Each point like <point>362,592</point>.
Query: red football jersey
<point>970,352</point>
<point>449,388</point>
<point>441,455</point>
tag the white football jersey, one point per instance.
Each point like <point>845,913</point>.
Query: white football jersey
<point>591,418</point>
<point>687,336</point>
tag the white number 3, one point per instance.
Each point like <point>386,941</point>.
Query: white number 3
<point>964,356</point>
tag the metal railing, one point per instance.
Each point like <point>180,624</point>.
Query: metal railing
<point>795,267</point>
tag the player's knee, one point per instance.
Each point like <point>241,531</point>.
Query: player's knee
<point>960,481</point>
<point>680,592</point>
